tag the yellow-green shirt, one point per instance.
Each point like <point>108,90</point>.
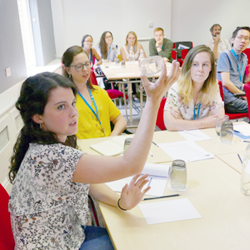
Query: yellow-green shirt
<point>88,124</point>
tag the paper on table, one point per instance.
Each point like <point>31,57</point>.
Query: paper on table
<point>158,174</point>
<point>243,128</point>
<point>194,135</point>
<point>124,74</point>
<point>185,150</point>
<point>169,211</point>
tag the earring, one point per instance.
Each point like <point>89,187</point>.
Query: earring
<point>70,76</point>
<point>41,126</point>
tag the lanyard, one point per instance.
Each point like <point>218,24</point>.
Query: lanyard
<point>93,100</point>
<point>109,52</point>
<point>233,52</point>
<point>199,106</point>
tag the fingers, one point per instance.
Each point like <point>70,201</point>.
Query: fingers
<point>163,74</point>
<point>174,72</point>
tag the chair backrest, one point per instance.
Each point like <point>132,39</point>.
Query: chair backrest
<point>174,54</point>
<point>247,91</point>
<point>248,73</point>
<point>6,236</point>
<point>247,52</point>
<point>93,78</point>
<point>221,90</point>
<point>160,120</point>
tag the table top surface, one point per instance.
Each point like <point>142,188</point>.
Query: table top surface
<point>116,72</point>
<point>213,189</point>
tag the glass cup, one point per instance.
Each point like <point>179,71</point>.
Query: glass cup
<point>226,132</point>
<point>151,65</point>
<point>219,121</point>
<point>178,176</point>
<point>245,177</point>
<point>117,61</point>
<point>127,142</point>
<point>123,64</point>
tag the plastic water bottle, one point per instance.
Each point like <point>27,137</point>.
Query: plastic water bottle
<point>245,173</point>
<point>141,57</point>
<point>131,55</point>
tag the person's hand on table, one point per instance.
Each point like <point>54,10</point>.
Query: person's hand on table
<point>157,90</point>
<point>133,192</point>
<point>210,120</point>
<point>165,59</point>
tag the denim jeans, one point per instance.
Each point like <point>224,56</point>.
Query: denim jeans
<point>97,238</point>
<point>237,106</point>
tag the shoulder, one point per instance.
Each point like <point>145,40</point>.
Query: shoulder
<point>165,40</point>
<point>99,91</point>
<point>152,41</point>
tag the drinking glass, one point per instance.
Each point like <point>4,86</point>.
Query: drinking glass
<point>178,176</point>
<point>127,142</point>
<point>226,132</point>
<point>219,121</point>
<point>151,65</point>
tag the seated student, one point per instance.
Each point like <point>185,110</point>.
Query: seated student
<point>96,109</point>
<point>94,58</point>
<point>106,49</point>
<point>160,46</point>
<point>231,67</point>
<point>50,176</point>
<point>194,101</point>
<point>131,41</point>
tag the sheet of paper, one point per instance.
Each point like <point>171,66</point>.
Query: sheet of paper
<point>185,150</point>
<point>194,135</point>
<point>156,169</point>
<point>168,211</point>
<point>243,128</point>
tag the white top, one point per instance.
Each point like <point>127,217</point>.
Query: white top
<point>176,102</point>
<point>223,45</point>
<point>136,55</point>
<point>47,208</point>
<point>112,54</point>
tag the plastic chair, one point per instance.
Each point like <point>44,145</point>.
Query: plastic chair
<point>247,52</point>
<point>232,116</point>
<point>248,73</point>
<point>247,91</point>
<point>6,236</point>
<point>181,53</point>
<point>160,121</point>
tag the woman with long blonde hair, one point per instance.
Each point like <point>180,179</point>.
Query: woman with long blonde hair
<point>194,101</point>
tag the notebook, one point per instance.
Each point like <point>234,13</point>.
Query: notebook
<point>110,147</point>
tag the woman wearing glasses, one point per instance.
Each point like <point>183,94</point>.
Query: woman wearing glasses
<point>106,49</point>
<point>96,109</point>
<point>94,58</point>
<point>194,101</point>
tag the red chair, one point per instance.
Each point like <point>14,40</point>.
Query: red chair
<point>247,52</point>
<point>113,93</point>
<point>232,116</point>
<point>248,73</point>
<point>6,236</point>
<point>160,121</point>
<point>247,91</point>
<point>181,53</point>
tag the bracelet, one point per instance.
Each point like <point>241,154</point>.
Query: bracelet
<point>118,203</point>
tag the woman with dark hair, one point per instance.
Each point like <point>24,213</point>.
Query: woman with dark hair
<point>94,58</point>
<point>106,49</point>
<point>194,101</point>
<point>49,197</point>
<point>96,109</point>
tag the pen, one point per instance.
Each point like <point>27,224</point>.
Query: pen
<point>151,153</point>
<point>240,158</point>
<point>155,144</point>
<point>160,197</point>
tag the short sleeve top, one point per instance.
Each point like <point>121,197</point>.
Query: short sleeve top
<point>187,111</point>
<point>47,208</point>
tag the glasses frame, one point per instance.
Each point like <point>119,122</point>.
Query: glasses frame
<point>246,39</point>
<point>82,66</point>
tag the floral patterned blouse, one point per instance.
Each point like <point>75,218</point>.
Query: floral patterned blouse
<point>47,208</point>
<point>176,102</point>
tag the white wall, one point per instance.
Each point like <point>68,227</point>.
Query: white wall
<point>191,20</point>
<point>75,18</point>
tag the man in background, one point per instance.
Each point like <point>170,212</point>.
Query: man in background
<point>217,44</point>
<point>160,46</point>
<point>231,69</point>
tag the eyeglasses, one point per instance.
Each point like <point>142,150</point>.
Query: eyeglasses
<point>88,42</point>
<point>79,67</point>
<point>242,37</point>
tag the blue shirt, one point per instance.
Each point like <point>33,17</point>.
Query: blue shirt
<point>228,63</point>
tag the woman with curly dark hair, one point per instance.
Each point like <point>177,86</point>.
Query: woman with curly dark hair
<point>106,49</point>
<point>49,197</point>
